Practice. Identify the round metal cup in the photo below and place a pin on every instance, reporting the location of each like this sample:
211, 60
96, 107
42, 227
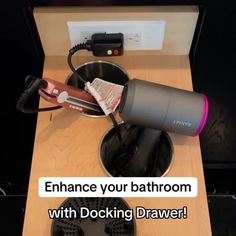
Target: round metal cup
165, 157
98, 69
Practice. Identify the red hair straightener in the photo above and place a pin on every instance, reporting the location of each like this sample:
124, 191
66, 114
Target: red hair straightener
59, 94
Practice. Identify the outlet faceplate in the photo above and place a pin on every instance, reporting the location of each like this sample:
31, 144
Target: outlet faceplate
138, 35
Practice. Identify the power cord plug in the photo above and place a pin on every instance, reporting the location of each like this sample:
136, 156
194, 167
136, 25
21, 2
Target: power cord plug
100, 44
103, 45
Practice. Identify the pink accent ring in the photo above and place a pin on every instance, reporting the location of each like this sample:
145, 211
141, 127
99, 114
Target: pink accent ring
204, 116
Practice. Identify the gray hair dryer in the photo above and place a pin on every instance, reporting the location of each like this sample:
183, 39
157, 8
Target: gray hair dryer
158, 108
162, 107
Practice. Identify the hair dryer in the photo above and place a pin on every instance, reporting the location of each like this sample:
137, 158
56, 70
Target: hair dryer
156, 108
162, 107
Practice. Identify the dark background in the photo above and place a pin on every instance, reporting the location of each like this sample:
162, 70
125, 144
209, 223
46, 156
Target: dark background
213, 64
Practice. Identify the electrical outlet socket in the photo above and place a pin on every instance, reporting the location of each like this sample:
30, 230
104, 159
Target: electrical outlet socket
138, 35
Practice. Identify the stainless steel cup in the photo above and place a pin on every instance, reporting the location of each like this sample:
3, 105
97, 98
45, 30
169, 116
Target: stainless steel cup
160, 162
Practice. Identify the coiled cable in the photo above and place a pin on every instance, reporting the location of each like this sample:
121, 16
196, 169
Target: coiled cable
31, 87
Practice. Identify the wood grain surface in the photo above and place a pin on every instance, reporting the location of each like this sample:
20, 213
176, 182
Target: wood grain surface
66, 144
